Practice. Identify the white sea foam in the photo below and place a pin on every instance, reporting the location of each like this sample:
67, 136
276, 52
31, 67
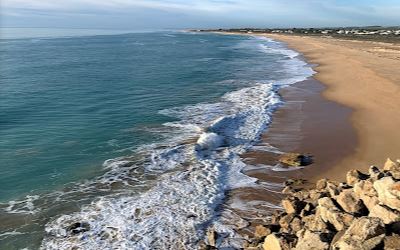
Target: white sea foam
173, 213
209, 141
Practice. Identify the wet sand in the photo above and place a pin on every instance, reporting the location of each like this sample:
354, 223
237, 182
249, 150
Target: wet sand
365, 77
306, 122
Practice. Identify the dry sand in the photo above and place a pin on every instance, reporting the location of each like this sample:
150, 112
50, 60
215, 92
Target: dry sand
364, 76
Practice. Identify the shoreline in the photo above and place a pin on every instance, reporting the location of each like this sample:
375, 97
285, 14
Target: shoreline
296, 127
360, 75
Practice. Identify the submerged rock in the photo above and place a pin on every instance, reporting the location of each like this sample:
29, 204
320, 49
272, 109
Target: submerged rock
78, 227
295, 159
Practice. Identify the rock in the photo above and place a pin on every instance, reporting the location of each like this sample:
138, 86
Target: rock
287, 190
284, 222
315, 195
293, 205
212, 237
375, 173
295, 159
333, 188
387, 215
392, 242
311, 241
337, 237
328, 212
314, 223
111, 233
78, 227
364, 233
262, 231
365, 191
289, 206
350, 203
321, 184
388, 192
393, 167
306, 210
296, 224
354, 176
275, 242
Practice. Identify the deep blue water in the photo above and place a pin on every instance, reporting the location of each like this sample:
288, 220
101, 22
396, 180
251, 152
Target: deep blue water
68, 104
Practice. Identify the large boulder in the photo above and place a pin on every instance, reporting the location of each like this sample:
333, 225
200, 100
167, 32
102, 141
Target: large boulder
365, 191
329, 212
295, 159
312, 241
387, 215
388, 192
350, 203
364, 234
354, 176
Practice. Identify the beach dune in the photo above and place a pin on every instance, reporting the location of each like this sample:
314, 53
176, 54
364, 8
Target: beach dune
364, 76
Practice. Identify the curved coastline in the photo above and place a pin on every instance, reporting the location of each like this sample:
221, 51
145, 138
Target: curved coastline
362, 76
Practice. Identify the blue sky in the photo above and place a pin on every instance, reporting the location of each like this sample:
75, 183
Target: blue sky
159, 14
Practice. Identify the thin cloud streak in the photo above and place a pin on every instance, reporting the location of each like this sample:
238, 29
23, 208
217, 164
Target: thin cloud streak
199, 13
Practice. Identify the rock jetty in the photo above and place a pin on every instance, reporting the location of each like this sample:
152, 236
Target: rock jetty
362, 213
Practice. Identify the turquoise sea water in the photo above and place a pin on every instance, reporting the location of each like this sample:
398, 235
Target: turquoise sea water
69, 104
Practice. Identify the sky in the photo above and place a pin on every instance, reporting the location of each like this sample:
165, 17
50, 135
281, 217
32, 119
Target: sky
179, 14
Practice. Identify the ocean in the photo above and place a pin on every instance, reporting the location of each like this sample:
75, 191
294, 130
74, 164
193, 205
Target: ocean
130, 140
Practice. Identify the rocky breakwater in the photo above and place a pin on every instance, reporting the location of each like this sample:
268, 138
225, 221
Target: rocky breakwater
362, 213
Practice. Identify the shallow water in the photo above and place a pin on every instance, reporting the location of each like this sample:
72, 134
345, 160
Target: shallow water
142, 100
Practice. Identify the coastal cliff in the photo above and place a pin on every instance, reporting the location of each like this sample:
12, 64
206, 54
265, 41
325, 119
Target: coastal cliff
362, 213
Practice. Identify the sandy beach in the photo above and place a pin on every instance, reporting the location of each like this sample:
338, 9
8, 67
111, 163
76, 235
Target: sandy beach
365, 77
